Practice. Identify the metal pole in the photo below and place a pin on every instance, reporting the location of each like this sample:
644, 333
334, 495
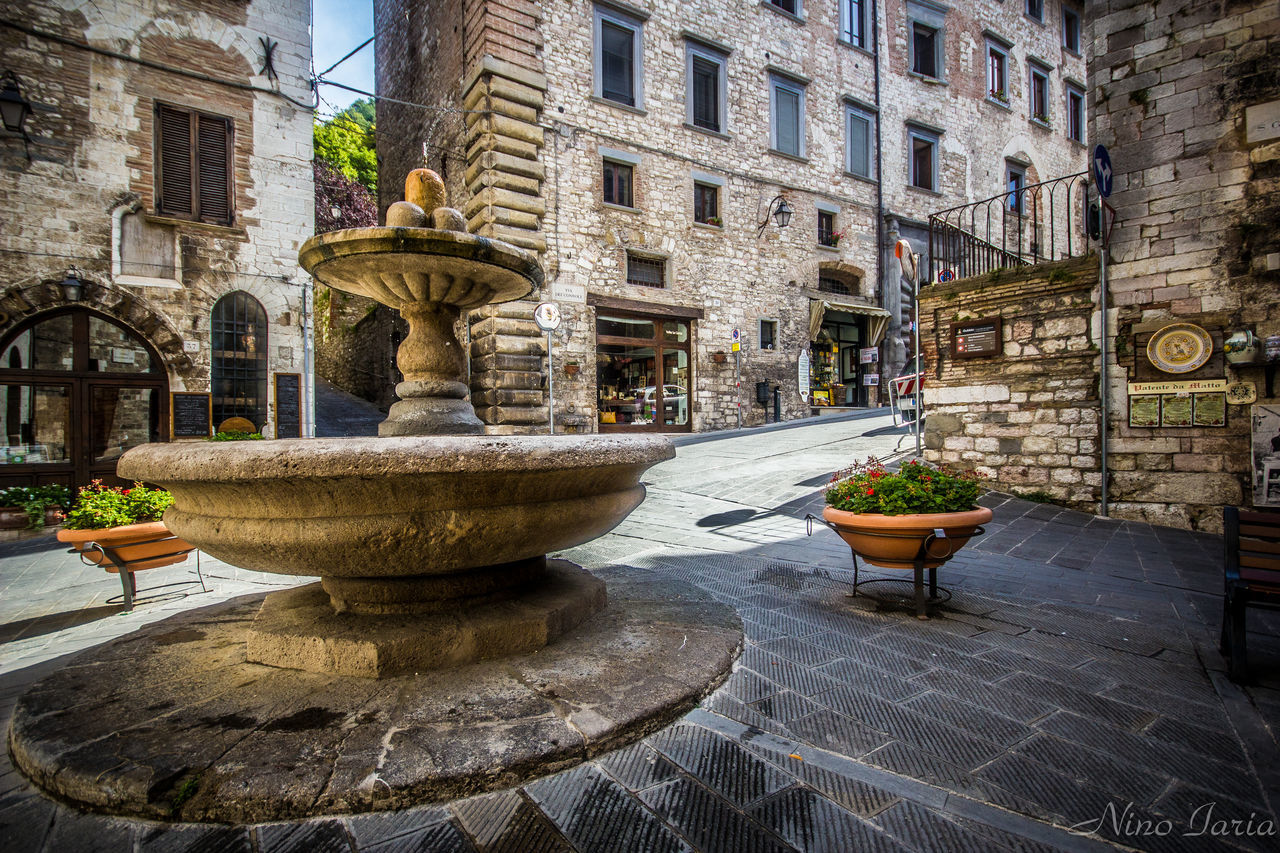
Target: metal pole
1104, 390
915, 328
551, 399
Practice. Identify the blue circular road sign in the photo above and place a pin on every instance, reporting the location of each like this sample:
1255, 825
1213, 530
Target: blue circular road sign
1102, 170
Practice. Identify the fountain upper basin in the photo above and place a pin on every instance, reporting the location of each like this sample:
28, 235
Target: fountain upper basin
391, 507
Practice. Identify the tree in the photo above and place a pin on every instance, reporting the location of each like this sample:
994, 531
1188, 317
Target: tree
346, 142
336, 192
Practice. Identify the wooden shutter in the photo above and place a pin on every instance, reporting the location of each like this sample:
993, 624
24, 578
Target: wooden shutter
213, 158
173, 162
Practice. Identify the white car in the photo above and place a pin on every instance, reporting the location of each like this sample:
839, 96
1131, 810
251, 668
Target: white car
672, 396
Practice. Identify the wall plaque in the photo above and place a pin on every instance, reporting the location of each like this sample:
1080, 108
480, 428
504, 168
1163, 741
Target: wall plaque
976, 338
190, 415
1206, 409
288, 405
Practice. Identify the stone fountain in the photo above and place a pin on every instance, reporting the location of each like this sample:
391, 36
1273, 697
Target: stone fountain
442, 652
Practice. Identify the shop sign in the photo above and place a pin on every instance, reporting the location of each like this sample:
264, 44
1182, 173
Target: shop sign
802, 375
1178, 386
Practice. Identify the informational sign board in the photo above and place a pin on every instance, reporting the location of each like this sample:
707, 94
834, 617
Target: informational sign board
564, 291
190, 415
868, 355
547, 316
288, 405
976, 338
871, 379
802, 375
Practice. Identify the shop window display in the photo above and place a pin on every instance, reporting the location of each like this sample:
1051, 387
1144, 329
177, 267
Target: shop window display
642, 369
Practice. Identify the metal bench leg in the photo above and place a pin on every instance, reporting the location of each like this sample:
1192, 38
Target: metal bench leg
933, 582
1237, 651
130, 588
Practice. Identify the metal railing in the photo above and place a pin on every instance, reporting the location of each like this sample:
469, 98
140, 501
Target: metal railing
1030, 225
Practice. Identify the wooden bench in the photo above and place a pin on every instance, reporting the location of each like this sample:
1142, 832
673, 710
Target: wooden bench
1252, 574
152, 548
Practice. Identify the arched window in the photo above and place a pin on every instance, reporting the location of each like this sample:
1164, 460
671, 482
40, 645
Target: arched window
239, 368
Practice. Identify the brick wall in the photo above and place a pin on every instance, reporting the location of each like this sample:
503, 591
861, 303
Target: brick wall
1197, 195
1026, 419
99, 155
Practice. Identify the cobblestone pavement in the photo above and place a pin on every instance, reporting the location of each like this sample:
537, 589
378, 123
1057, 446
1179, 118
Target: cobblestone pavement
1071, 680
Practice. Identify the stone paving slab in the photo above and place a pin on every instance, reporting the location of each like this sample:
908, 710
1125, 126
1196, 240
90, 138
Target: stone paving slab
1071, 680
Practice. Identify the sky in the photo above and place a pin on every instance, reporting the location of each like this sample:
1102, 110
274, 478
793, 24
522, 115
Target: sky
338, 27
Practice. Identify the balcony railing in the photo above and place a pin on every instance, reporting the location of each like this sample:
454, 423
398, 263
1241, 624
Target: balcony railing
1031, 225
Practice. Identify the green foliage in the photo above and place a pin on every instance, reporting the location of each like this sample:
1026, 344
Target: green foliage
236, 436
185, 790
1061, 276
1039, 496
346, 142
915, 487
34, 500
99, 506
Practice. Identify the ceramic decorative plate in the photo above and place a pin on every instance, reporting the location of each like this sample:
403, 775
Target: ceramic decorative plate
1242, 393
1180, 348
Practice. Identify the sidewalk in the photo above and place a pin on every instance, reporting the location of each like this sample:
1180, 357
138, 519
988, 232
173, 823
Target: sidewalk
1072, 679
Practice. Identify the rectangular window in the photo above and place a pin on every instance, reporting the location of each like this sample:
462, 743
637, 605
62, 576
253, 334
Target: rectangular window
924, 43
1075, 113
1015, 183
1039, 106
618, 179
617, 57
194, 165
786, 98
860, 141
827, 228
706, 78
1070, 29
706, 204
768, 334
791, 7
646, 272
924, 159
1035, 9
853, 22
997, 72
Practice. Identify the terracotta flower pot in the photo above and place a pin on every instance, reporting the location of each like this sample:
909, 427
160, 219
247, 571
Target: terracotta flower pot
893, 541
571, 369
134, 542
719, 357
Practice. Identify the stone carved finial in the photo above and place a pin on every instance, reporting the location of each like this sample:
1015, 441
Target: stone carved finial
424, 188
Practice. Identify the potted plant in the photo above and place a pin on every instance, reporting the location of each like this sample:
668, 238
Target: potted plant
719, 357
715, 220
886, 516
32, 507
127, 519
572, 368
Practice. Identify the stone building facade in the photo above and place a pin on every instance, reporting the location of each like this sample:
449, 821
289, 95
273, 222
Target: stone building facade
641, 148
149, 284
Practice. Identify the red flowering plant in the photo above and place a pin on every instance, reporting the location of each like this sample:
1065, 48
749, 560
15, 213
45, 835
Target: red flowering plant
98, 506
914, 488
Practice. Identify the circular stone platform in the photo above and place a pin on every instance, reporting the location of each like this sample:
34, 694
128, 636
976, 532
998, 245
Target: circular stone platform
173, 723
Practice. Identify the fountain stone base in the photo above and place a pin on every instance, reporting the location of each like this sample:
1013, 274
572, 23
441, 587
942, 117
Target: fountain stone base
298, 628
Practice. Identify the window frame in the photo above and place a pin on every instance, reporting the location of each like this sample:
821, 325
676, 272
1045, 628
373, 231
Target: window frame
854, 112
933, 17
776, 5
1015, 190
621, 20
659, 262
693, 51
847, 18
934, 139
194, 165
714, 189
1003, 49
1072, 89
1038, 13
780, 81
607, 162
771, 323
1072, 12
1038, 70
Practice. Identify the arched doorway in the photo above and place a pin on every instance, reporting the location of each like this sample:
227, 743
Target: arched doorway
238, 327
77, 389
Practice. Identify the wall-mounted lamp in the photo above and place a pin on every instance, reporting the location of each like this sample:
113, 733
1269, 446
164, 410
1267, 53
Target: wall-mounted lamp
72, 285
14, 109
780, 211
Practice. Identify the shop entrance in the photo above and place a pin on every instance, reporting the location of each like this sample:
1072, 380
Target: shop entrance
642, 373
837, 374
77, 390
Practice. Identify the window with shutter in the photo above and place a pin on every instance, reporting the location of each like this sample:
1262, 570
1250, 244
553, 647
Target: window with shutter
193, 165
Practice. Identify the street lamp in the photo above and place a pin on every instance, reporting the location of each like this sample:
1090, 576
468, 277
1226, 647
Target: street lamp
72, 285
780, 211
14, 109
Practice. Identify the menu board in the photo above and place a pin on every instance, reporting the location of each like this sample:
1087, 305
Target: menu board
1178, 410
191, 415
976, 338
288, 405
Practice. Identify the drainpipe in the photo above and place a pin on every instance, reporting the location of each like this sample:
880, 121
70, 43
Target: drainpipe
880, 247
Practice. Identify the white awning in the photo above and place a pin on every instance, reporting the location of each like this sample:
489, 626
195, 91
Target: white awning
877, 323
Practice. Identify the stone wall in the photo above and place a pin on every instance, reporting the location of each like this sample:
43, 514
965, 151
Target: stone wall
1027, 419
1197, 197
93, 161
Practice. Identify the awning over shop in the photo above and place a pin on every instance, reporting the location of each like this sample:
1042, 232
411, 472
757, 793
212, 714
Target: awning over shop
877, 322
